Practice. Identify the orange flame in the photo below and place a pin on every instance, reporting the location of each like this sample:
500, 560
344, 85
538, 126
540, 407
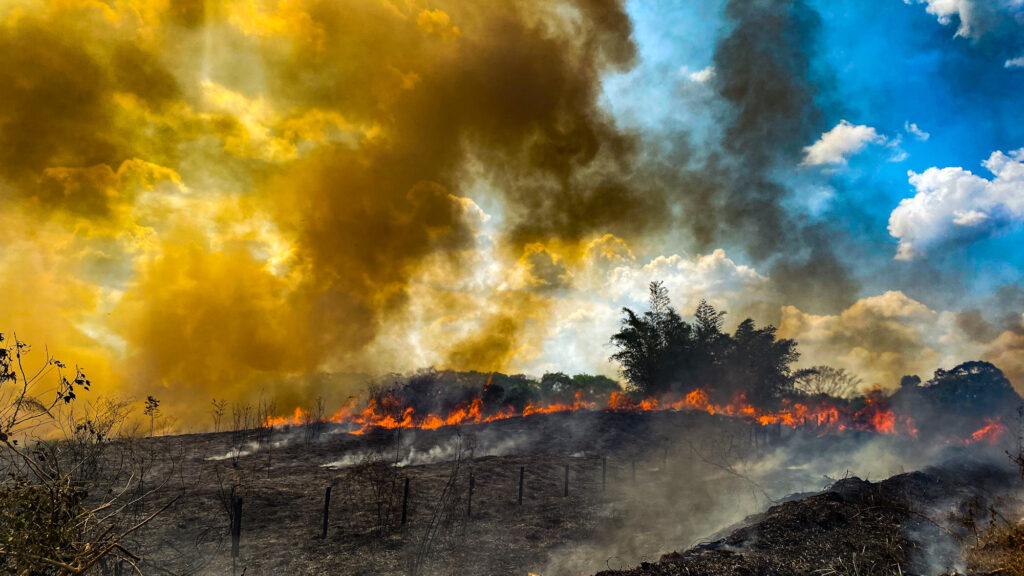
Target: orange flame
990, 432
390, 411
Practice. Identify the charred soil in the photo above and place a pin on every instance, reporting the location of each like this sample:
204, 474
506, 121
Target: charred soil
638, 485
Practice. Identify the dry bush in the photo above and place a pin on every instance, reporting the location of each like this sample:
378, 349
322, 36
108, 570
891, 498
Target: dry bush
89, 432
440, 540
827, 381
314, 421
65, 504
380, 473
217, 410
1000, 549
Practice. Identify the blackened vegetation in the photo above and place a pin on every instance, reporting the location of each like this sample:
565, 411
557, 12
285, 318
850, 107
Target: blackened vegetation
439, 392
661, 353
77, 504
855, 527
953, 401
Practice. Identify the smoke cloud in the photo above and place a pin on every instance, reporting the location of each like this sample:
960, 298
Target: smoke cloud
239, 198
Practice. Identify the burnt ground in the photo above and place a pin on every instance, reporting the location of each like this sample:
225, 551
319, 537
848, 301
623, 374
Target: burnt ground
695, 475
916, 523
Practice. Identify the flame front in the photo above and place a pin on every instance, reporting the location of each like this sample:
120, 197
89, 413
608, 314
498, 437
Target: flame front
391, 411
989, 433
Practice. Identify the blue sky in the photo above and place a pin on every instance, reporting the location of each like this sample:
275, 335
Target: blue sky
882, 64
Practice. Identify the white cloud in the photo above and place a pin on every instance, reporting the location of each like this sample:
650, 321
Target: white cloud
953, 206
702, 76
945, 10
974, 16
839, 143
1017, 62
916, 132
881, 338
610, 278
714, 276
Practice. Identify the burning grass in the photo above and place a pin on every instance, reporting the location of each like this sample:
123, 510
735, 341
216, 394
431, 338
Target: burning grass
874, 412
640, 483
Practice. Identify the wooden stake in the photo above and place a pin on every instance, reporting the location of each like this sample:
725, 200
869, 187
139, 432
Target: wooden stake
522, 474
327, 512
405, 501
236, 528
566, 492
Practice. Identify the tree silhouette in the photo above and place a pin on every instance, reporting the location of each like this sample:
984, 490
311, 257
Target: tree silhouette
152, 409
659, 352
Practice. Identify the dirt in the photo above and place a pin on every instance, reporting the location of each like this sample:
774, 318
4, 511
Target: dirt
695, 475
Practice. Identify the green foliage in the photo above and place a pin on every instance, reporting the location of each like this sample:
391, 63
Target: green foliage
595, 386
659, 352
39, 525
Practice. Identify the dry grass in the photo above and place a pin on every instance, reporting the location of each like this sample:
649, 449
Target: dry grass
1000, 550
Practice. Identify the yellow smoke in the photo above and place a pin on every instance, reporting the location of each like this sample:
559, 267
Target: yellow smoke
233, 198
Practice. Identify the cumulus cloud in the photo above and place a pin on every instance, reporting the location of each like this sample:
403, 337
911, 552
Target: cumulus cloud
953, 206
700, 76
715, 276
974, 17
912, 129
609, 278
881, 338
838, 144
946, 10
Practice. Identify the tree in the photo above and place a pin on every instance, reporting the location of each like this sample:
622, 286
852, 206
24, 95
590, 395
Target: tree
152, 410
556, 386
217, 410
644, 342
828, 381
910, 381
595, 386
659, 352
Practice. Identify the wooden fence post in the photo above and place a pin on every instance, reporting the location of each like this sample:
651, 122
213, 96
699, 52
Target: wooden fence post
566, 492
405, 501
236, 527
634, 471
327, 512
522, 474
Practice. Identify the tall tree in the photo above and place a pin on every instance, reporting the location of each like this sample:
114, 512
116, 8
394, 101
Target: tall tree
659, 352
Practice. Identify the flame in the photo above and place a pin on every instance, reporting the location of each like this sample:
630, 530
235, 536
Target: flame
391, 411
990, 432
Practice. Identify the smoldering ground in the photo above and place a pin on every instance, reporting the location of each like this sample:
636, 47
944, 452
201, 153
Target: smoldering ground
640, 485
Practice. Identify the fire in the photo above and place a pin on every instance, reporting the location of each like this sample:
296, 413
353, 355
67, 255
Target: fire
391, 411
620, 402
578, 404
990, 432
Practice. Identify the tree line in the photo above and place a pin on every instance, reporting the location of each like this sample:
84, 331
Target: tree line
660, 353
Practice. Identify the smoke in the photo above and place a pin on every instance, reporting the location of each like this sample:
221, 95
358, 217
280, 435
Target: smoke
227, 199
771, 87
706, 482
258, 192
